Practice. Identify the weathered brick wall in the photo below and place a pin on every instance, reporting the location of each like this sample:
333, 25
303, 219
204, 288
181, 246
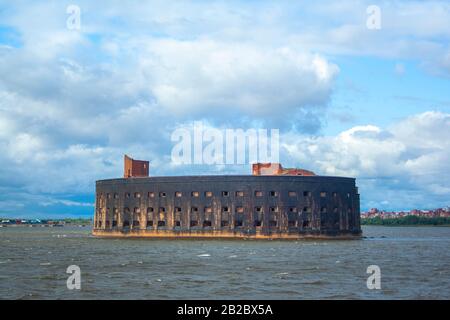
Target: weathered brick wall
135, 168
246, 205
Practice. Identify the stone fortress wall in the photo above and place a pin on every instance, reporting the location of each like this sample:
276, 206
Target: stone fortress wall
290, 206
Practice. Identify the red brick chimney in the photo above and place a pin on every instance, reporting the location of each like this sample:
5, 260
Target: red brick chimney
135, 168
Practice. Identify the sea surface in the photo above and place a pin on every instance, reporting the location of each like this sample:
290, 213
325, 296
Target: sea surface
414, 264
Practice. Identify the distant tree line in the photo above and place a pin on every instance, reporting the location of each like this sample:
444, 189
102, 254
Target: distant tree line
78, 221
407, 220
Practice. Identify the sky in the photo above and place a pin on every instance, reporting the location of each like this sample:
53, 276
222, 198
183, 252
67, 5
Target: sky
348, 99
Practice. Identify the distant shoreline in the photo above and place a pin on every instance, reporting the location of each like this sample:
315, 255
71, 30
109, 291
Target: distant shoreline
43, 225
408, 221
406, 225
10, 222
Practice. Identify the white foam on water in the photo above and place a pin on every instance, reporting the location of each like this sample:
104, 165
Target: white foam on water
204, 255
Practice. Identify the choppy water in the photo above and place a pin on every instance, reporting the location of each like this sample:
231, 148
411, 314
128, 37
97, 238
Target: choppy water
414, 262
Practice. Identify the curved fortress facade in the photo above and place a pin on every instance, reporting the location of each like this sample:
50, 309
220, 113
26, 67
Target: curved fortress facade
272, 203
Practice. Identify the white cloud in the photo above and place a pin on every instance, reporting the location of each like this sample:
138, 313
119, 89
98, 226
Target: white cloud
69, 203
72, 102
203, 77
411, 157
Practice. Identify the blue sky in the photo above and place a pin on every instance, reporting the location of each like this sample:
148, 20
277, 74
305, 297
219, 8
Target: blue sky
348, 100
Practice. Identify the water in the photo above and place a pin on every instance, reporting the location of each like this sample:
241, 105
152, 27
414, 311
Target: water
414, 264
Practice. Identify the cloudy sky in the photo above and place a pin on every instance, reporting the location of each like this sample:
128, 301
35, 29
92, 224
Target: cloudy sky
348, 100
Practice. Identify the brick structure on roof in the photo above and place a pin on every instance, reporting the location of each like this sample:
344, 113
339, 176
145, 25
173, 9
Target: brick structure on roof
276, 169
135, 168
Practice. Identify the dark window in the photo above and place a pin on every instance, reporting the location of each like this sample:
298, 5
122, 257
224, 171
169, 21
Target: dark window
194, 223
114, 223
194, 209
149, 209
177, 209
225, 209
257, 223
292, 223
126, 223
293, 209
307, 209
149, 223
272, 223
273, 209
127, 195
162, 194
224, 223
206, 223
177, 223
258, 209
273, 193
161, 223
238, 223
225, 193
162, 209
307, 193
323, 210
306, 224
135, 223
